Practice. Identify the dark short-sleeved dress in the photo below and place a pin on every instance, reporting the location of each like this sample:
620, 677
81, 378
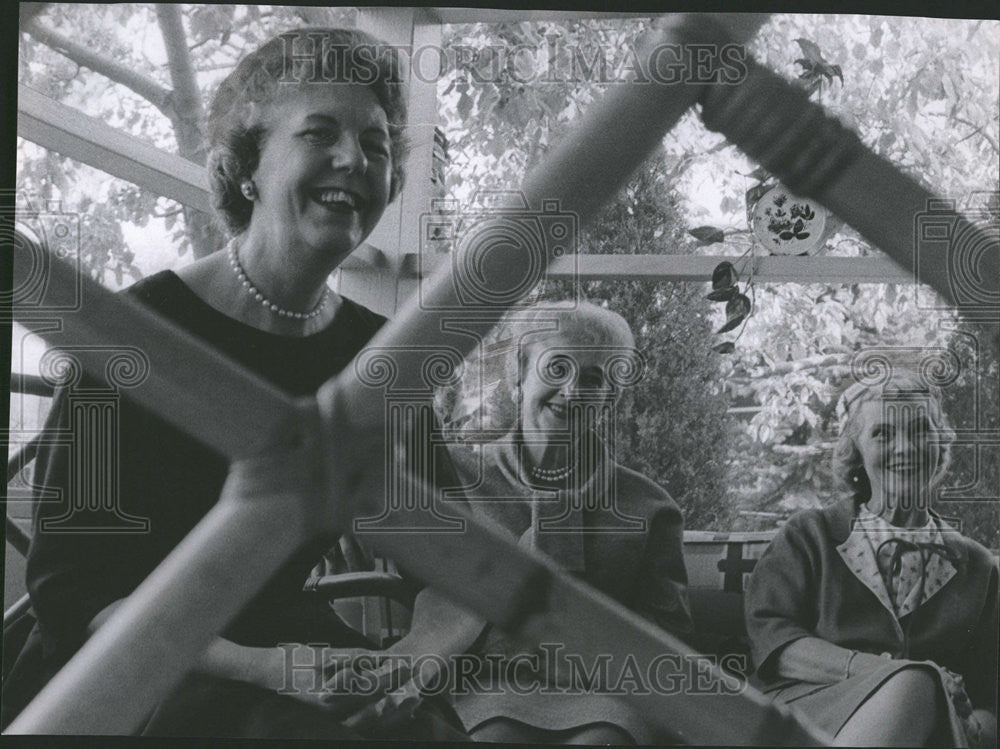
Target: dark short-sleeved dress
172, 480
804, 586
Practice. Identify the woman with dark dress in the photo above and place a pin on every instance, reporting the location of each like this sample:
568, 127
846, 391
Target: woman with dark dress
875, 617
306, 153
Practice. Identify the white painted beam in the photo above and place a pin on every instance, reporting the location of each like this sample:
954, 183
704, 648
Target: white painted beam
771, 269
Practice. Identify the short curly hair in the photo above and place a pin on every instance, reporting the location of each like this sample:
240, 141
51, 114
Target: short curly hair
480, 402
847, 464
236, 116
580, 322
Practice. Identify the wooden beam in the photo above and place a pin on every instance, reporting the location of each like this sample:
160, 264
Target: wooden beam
151, 640
417, 200
775, 122
508, 15
169, 369
535, 601
72, 133
135, 658
565, 182
147, 645
375, 284
771, 269
154, 636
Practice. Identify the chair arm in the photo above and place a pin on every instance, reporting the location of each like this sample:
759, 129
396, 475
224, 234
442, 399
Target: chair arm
20, 606
358, 584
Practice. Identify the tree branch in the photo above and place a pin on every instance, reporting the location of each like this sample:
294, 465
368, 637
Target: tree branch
979, 129
976, 129
28, 11
820, 361
143, 85
186, 96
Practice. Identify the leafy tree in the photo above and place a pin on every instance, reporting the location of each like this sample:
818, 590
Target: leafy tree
921, 92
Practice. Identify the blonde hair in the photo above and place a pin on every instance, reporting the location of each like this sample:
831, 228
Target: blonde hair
847, 464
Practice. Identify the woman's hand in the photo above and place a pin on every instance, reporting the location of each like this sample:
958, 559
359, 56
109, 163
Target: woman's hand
862, 663
987, 728
439, 630
821, 662
361, 681
299, 671
954, 686
980, 725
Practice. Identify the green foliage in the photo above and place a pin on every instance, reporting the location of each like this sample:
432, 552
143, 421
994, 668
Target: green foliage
814, 68
672, 426
973, 405
921, 92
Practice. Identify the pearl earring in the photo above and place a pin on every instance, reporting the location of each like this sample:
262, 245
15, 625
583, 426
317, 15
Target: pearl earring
249, 190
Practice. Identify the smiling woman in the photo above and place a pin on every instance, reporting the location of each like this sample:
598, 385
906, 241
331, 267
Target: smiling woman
307, 146
306, 154
877, 618
553, 485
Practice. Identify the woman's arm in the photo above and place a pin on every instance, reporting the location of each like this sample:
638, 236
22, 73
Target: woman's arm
662, 596
267, 668
222, 658
439, 627
822, 662
780, 599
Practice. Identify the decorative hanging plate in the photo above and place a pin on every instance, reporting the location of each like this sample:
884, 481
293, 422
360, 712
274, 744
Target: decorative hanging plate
786, 224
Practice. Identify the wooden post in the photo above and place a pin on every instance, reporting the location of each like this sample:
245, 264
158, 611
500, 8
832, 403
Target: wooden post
377, 285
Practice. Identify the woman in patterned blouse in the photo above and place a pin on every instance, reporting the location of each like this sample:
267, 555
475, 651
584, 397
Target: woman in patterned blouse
875, 617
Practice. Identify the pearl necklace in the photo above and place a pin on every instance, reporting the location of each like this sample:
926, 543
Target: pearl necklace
234, 262
550, 474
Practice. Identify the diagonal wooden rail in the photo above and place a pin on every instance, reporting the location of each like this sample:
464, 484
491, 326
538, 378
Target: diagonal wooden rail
312, 469
817, 157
